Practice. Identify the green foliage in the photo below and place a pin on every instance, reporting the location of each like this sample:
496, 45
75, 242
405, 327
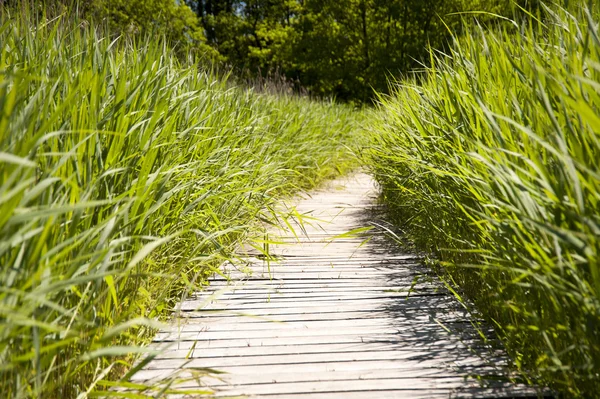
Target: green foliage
344, 49
349, 48
177, 22
492, 163
126, 176
254, 36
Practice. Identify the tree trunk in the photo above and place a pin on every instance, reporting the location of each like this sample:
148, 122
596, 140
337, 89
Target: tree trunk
365, 34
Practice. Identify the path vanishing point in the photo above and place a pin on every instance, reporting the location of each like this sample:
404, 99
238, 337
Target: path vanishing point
331, 318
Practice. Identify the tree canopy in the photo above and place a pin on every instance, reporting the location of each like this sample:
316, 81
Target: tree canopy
345, 49
334, 48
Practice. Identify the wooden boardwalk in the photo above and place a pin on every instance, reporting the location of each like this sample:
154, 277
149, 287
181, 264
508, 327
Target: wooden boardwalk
331, 318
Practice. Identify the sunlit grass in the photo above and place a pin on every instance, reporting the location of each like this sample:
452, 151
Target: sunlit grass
126, 175
493, 163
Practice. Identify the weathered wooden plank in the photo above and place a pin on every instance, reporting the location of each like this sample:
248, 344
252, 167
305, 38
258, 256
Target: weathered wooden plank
302, 249
331, 271
319, 275
351, 303
439, 315
285, 383
324, 237
342, 304
312, 232
334, 247
324, 272
347, 258
295, 283
343, 387
392, 340
443, 315
207, 334
176, 351
399, 269
224, 325
229, 298
214, 335
358, 292
300, 284
410, 394
261, 309
331, 274
418, 394
391, 394
246, 298
304, 287
398, 266
402, 267
465, 365
400, 312
248, 379
414, 357
192, 326
312, 288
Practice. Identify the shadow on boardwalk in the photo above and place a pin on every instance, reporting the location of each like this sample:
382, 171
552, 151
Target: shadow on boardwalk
431, 321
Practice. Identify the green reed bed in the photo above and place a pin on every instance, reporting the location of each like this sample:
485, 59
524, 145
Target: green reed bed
125, 176
493, 164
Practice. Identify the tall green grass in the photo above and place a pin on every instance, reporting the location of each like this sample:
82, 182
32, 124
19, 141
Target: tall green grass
493, 163
126, 175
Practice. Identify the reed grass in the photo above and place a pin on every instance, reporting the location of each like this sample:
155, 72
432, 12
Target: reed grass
493, 165
127, 175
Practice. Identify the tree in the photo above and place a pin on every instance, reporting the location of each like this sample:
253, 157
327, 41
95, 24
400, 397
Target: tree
334, 48
176, 21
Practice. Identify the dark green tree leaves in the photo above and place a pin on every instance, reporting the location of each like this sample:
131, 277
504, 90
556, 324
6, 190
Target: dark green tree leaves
174, 20
335, 48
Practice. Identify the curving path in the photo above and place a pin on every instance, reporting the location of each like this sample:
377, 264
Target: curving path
333, 316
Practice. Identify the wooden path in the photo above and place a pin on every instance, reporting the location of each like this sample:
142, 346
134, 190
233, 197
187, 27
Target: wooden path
332, 318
